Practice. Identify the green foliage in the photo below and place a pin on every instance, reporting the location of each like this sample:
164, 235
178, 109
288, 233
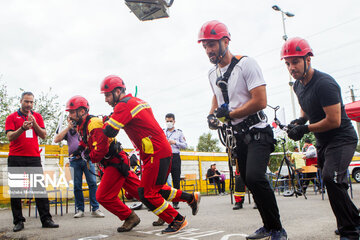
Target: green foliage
207, 144
49, 109
190, 148
358, 148
6, 107
275, 160
310, 136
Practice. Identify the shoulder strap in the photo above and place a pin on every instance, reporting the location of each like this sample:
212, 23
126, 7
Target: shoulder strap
84, 135
125, 99
222, 82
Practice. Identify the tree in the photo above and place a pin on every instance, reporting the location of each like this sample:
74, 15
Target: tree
289, 147
190, 148
6, 107
207, 144
49, 109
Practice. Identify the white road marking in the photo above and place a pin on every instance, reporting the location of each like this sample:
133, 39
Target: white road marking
226, 237
186, 234
100, 236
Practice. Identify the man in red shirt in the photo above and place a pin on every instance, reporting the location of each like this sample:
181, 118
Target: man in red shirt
310, 153
97, 147
22, 129
310, 157
136, 118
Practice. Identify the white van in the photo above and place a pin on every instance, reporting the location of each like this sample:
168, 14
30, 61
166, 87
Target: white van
354, 167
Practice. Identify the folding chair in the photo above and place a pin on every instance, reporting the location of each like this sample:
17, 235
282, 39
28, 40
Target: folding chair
210, 187
316, 178
189, 181
57, 200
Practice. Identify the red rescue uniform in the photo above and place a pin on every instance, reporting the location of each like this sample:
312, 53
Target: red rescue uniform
136, 118
240, 188
112, 180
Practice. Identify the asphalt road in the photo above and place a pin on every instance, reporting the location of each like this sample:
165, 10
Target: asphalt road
302, 219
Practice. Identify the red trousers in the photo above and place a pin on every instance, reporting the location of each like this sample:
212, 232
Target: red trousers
240, 188
109, 188
154, 193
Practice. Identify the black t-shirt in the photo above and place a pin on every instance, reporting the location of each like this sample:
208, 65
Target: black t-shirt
211, 173
322, 91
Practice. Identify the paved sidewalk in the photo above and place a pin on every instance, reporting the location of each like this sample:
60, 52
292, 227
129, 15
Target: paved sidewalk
302, 219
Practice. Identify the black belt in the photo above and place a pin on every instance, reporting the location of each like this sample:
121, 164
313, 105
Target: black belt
251, 120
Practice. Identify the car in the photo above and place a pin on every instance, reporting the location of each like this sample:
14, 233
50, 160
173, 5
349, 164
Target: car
354, 167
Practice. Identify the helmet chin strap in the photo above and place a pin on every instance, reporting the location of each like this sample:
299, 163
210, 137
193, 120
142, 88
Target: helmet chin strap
306, 69
80, 117
221, 53
115, 99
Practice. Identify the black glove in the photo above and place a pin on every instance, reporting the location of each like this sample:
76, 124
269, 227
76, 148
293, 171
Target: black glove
223, 114
299, 121
77, 152
296, 132
213, 122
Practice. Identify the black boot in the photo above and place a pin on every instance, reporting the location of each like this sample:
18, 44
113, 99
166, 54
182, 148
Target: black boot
18, 227
238, 206
49, 223
176, 205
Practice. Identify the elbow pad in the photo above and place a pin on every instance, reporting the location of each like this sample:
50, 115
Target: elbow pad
110, 132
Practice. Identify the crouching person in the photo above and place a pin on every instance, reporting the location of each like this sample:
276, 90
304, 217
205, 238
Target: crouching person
97, 147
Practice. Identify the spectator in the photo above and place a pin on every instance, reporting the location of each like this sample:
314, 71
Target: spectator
214, 176
296, 158
310, 154
177, 142
80, 167
22, 129
310, 158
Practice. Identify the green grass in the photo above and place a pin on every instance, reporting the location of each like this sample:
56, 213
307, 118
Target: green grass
4, 205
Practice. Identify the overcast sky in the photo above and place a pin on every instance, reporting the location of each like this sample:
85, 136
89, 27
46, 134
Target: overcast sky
71, 45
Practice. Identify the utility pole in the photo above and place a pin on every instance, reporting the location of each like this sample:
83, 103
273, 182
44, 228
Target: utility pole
353, 100
285, 37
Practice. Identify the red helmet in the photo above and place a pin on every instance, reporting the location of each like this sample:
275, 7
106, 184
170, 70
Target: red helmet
213, 30
296, 47
110, 83
76, 102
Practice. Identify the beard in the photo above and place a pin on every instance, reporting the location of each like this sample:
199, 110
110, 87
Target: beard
214, 59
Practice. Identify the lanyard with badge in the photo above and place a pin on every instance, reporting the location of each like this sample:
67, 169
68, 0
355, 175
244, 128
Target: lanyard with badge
28, 133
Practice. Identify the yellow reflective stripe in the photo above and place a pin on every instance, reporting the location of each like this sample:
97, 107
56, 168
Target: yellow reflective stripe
138, 108
115, 124
172, 194
162, 208
239, 194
